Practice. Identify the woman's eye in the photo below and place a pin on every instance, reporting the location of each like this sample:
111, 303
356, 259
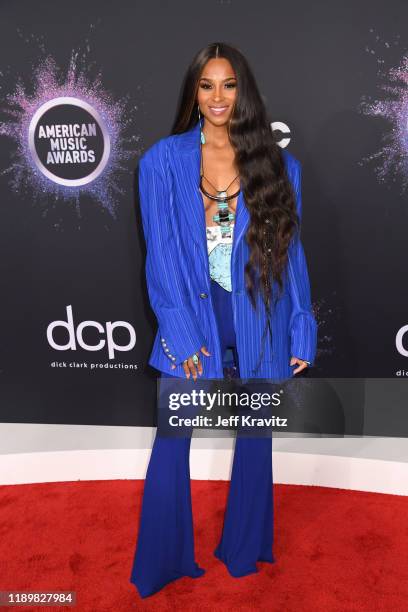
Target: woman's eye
227, 85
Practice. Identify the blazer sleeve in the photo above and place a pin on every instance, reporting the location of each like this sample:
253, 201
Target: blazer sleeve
302, 324
178, 325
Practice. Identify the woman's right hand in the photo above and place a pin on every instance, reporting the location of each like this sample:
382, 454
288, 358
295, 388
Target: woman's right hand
190, 368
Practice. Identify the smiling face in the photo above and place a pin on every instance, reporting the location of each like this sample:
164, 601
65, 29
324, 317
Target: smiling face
217, 91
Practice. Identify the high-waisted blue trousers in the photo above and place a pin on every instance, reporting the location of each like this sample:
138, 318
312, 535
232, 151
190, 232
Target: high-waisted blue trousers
165, 546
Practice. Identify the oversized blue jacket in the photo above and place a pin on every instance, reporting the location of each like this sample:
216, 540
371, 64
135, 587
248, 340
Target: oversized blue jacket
178, 279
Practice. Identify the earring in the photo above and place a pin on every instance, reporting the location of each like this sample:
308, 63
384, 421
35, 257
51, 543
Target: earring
229, 122
201, 130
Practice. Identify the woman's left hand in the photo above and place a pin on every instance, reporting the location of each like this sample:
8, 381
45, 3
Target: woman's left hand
302, 364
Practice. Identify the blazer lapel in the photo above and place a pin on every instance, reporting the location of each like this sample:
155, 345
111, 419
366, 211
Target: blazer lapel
193, 205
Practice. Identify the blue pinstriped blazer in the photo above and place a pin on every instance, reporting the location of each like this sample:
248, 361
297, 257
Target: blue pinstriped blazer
178, 279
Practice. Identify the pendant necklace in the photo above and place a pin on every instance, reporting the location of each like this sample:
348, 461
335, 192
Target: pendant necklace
223, 216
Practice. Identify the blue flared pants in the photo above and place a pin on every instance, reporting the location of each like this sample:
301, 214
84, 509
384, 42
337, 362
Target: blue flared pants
165, 545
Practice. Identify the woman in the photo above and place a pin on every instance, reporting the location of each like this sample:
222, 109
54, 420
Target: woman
221, 207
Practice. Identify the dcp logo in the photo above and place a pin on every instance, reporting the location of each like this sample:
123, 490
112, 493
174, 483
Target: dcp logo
399, 338
76, 335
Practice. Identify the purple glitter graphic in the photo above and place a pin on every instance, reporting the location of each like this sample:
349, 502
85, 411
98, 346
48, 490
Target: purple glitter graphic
325, 315
392, 158
20, 107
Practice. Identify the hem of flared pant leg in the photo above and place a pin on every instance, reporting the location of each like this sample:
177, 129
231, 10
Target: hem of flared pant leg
234, 575
255, 570
156, 590
164, 584
249, 572
273, 560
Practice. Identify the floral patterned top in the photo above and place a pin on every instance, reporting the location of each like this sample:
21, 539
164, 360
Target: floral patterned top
219, 255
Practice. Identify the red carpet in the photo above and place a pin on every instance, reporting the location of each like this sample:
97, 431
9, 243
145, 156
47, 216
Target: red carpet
336, 550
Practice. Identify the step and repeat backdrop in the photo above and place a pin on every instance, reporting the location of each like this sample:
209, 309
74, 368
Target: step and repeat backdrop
86, 87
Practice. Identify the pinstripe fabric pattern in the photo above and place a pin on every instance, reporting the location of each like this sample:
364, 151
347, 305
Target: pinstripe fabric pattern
178, 280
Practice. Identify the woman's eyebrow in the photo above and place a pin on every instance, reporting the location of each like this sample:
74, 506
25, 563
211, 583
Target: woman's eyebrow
208, 78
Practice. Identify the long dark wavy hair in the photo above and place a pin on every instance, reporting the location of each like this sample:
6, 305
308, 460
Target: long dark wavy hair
266, 187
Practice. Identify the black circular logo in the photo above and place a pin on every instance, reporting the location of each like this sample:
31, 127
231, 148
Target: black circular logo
69, 141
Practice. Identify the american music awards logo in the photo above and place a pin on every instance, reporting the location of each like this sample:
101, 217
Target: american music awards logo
69, 141
71, 135
391, 159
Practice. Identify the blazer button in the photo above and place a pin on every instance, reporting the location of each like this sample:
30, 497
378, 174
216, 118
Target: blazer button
203, 295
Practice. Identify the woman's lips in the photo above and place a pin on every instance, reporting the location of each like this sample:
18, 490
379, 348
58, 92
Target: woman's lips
218, 110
